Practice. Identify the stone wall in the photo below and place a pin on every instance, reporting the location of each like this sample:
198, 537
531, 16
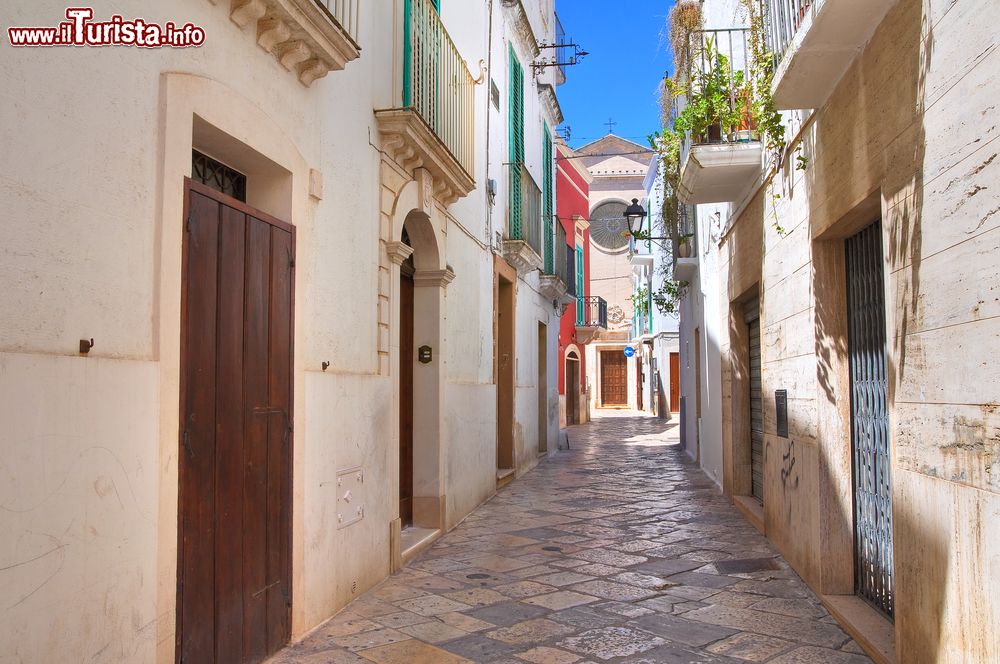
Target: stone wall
908, 136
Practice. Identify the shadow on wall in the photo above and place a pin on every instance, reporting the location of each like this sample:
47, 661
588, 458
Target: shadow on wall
884, 146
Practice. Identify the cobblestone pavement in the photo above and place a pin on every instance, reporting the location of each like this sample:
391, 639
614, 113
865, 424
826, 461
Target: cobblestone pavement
617, 550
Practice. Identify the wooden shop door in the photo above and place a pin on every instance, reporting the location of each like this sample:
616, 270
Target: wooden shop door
235, 481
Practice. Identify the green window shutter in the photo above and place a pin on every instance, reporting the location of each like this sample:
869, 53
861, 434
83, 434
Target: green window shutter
547, 207
437, 5
407, 54
580, 294
516, 143
649, 309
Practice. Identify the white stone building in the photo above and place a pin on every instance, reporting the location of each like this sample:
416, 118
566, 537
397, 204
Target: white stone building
840, 324
290, 257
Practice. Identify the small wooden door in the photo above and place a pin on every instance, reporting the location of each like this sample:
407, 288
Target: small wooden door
675, 382
572, 387
543, 389
406, 358
614, 378
234, 525
639, 375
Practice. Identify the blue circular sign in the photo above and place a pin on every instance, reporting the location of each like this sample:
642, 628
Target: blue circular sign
629, 351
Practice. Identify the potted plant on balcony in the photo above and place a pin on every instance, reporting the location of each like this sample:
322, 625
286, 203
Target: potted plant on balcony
640, 301
684, 249
668, 296
744, 125
713, 112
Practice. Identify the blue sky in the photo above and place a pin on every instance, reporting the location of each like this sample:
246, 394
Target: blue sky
619, 79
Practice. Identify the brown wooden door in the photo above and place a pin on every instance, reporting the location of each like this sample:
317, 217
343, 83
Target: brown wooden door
675, 382
406, 399
234, 526
572, 387
640, 403
614, 378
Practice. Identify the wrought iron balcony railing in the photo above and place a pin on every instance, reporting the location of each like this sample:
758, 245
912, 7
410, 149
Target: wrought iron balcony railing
345, 14
592, 312
718, 80
436, 81
784, 18
563, 53
721, 153
524, 221
563, 263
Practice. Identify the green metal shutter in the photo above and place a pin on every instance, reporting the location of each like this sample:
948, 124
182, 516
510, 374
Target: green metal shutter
437, 5
516, 143
580, 294
547, 207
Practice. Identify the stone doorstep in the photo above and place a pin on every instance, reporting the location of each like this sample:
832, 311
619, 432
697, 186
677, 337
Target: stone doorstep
870, 629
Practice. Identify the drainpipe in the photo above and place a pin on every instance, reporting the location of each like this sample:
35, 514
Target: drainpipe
489, 113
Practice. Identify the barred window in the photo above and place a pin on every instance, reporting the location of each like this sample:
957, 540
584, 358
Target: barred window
218, 176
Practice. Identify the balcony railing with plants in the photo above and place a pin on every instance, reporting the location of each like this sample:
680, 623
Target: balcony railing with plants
642, 305
592, 312
717, 92
436, 81
525, 213
345, 14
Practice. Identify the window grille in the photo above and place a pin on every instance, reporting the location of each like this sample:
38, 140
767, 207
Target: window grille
218, 176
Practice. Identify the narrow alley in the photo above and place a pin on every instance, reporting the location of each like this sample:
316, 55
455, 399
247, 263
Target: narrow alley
618, 549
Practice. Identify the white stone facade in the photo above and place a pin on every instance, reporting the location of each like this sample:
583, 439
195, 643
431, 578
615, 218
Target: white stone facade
91, 247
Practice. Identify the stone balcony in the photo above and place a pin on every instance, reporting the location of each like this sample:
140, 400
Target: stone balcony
815, 41
305, 36
719, 172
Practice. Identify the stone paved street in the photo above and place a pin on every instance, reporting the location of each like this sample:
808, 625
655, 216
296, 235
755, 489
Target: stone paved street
617, 550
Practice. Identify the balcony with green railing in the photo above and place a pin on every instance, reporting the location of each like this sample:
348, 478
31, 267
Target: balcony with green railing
523, 246
558, 281
433, 128
436, 82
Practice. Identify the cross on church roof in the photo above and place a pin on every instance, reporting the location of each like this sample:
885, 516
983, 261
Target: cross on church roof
611, 125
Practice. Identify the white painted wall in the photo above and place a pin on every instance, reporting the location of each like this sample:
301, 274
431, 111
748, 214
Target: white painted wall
90, 247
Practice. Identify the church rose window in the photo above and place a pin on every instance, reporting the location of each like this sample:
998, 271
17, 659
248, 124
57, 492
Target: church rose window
608, 228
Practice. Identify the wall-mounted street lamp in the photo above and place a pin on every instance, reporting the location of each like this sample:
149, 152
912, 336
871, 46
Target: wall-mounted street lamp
635, 214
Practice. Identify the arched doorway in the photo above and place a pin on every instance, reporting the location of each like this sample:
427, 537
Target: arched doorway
420, 287
406, 361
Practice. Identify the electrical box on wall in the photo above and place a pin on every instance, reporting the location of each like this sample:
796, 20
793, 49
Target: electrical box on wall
781, 412
350, 496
